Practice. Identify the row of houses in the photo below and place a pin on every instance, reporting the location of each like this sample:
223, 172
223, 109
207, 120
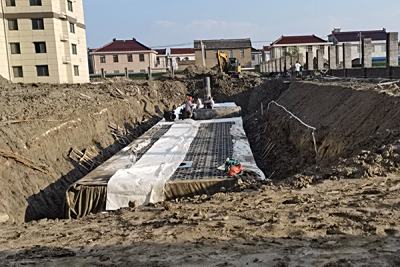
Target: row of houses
298, 46
131, 56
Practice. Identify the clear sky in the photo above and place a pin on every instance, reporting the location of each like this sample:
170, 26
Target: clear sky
159, 23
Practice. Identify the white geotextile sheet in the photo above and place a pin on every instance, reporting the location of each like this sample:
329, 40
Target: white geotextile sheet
242, 150
144, 181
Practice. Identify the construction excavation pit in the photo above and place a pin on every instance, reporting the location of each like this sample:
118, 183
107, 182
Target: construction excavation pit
279, 173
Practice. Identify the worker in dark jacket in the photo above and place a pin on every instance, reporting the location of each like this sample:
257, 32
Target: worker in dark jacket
169, 115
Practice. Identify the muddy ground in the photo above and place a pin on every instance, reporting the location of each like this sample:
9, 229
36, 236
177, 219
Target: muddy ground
337, 205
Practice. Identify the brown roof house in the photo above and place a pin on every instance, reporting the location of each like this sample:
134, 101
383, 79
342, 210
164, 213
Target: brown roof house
161, 60
296, 47
238, 48
266, 53
121, 56
182, 57
256, 57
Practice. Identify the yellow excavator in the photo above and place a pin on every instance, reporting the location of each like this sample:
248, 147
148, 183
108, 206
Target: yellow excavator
230, 66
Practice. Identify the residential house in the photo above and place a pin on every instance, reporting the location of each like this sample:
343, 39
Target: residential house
161, 60
43, 41
237, 48
121, 56
182, 57
266, 53
298, 46
378, 37
256, 57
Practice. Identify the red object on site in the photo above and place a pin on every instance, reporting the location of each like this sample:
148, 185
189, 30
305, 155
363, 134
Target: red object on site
235, 170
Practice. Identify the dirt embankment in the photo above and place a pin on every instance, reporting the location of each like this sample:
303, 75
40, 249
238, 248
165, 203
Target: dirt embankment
50, 136
357, 133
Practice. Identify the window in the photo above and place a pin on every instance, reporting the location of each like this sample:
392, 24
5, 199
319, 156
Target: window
18, 73
15, 48
230, 53
103, 59
13, 25
253, 57
186, 58
72, 27
40, 47
115, 58
130, 58
158, 61
116, 71
42, 70
76, 70
37, 24
70, 6
242, 53
141, 57
74, 49
10, 2
35, 2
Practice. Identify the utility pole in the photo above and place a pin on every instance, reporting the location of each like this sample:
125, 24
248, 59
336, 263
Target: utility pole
203, 53
360, 48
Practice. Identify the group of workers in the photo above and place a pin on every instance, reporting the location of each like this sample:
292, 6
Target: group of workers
295, 70
189, 106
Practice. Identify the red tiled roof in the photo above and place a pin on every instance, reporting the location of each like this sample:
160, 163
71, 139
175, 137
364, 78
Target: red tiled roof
123, 46
177, 51
301, 39
161, 51
354, 36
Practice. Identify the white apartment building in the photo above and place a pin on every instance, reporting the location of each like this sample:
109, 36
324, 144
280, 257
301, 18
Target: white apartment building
43, 41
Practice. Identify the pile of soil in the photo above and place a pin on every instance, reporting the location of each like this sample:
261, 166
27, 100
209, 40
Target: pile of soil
52, 135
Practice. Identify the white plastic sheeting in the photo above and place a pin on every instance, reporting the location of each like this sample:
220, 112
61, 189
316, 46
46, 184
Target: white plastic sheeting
241, 148
144, 181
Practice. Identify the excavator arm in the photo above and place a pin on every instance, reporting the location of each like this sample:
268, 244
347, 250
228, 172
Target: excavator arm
222, 61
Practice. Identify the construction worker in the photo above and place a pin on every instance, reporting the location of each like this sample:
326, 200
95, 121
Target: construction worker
209, 103
187, 111
169, 115
298, 68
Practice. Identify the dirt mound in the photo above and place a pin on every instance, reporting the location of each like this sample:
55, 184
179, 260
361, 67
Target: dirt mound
356, 134
195, 71
53, 135
225, 88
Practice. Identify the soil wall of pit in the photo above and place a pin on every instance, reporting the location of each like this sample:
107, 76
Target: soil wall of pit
51, 136
347, 121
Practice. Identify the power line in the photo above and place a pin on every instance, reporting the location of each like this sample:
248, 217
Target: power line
191, 43
171, 45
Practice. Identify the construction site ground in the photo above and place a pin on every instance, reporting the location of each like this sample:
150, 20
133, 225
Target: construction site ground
333, 204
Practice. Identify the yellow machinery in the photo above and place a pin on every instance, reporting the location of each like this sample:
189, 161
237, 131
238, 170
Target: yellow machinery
228, 65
